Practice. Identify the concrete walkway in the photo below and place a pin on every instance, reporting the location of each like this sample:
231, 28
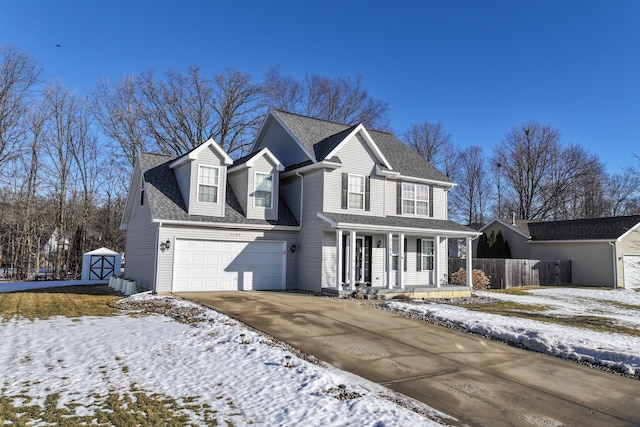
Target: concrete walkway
480, 382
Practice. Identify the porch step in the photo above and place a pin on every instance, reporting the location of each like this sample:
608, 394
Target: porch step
407, 293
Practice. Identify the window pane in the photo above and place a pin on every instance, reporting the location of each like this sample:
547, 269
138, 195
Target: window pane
263, 199
422, 208
408, 206
356, 201
208, 175
208, 184
356, 184
408, 191
263, 182
207, 193
422, 193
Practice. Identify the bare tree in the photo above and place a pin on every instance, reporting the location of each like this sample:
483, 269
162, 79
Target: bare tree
342, 100
623, 193
471, 196
117, 108
527, 156
431, 142
18, 77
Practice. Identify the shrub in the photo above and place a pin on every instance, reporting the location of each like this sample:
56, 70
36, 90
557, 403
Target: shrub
479, 279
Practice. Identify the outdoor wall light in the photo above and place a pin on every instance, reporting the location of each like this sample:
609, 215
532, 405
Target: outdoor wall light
294, 248
165, 245
379, 243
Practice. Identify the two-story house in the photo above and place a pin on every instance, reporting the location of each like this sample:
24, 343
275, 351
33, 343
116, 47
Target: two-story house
316, 206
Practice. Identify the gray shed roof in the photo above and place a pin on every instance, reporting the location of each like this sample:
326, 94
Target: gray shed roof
166, 202
401, 222
320, 137
609, 228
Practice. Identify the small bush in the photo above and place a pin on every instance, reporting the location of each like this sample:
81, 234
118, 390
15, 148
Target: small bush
479, 279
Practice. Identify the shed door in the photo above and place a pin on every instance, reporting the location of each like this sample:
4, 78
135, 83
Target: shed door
101, 267
211, 265
631, 271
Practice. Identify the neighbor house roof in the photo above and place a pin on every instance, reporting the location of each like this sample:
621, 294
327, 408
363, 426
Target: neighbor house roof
166, 202
609, 228
321, 137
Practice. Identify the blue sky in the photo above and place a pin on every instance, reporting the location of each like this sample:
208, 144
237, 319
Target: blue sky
479, 67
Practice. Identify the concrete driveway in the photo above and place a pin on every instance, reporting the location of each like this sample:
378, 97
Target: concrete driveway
480, 382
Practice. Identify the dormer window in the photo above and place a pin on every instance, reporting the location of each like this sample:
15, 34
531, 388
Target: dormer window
415, 199
263, 193
208, 183
356, 192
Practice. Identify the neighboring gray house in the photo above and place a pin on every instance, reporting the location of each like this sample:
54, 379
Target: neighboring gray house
602, 251
316, 206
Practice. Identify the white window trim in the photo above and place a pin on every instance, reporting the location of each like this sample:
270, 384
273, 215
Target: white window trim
349, 192
207, 185
415, 199
255, 182
424, 256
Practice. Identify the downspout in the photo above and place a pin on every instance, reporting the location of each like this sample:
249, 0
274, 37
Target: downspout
300, 216
615, 265
155, 279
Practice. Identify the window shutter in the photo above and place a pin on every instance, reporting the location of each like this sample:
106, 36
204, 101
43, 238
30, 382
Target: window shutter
399, 199
431, 201
405, 254
419, 255
345, 190
344, 258
367, 194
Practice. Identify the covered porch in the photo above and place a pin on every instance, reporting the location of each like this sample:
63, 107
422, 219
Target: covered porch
387, 262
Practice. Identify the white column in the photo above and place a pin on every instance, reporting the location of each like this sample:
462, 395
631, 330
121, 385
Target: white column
469, 263
436, 260
401, 260
338, 259
389, 242
352, 260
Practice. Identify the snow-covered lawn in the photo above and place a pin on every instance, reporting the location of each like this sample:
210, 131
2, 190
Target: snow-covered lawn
205, 371
618, 351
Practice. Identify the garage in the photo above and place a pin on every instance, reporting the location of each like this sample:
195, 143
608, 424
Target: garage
631, 271
212, 265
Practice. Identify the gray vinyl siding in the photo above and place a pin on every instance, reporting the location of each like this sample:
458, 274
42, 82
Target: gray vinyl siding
591, 262
311, 240
282, 145
165, 271
518, 244
290, 192
257, 212
239, 182
439, 203
358, 159
183, 176
140, 246
207, 158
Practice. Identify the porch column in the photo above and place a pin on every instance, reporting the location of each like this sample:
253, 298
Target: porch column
388, 248
338, 259
469, 263
352, 260
436, 260
401, 260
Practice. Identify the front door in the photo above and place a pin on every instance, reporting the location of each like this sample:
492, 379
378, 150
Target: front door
362, 259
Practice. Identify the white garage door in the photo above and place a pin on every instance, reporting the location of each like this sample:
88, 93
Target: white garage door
631, 271
204, 265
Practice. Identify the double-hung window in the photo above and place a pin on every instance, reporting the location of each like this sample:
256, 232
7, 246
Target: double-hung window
426, 255
356, 192
208, 183
263, 189
415, 199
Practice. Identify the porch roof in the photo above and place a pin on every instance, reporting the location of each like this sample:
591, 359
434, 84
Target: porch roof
397, 224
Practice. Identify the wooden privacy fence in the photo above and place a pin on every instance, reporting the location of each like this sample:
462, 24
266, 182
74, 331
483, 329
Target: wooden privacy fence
515, 273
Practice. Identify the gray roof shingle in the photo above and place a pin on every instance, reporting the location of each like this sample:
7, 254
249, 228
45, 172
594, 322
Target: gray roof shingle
167, 204
609, 228
401, 222
320, 137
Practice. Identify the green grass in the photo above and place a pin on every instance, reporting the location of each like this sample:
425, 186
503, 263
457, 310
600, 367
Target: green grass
69, 301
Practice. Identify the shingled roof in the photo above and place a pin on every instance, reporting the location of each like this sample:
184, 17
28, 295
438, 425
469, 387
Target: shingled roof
320, 137
609, 228
166, 202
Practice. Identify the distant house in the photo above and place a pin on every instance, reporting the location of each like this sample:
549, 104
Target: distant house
316, 205
602, 251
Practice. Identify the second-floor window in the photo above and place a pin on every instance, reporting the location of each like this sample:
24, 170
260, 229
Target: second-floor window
263, 189
356, 192
415, 199
208, 183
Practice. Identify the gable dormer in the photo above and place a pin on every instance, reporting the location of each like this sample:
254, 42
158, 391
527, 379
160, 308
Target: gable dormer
255, 182
202, 178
